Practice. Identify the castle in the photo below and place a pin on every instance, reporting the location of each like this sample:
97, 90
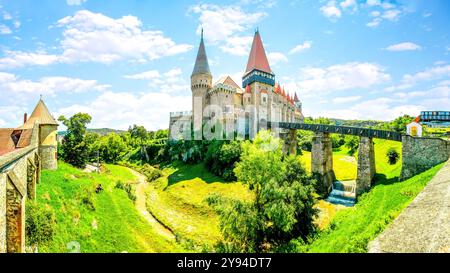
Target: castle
260, 100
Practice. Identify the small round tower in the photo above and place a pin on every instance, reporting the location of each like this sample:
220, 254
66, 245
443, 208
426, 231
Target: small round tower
201, 80
48, 128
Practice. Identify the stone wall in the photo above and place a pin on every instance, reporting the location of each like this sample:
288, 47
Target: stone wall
322, 161
49, 157
18, 177
366, 165
420, 154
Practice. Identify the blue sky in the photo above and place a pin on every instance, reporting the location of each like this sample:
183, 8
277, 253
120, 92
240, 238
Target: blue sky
129, 62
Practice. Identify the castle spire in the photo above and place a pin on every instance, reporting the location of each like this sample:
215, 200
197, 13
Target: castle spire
201, 63
296, 98
258, 58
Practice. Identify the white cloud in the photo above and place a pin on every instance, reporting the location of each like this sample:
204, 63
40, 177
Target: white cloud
391, 15
375, 109
6, 16
277, 57
75, 2
349, 4
406, 46
16, 23
330, 10
150, 109
238, 45
346, 99
301, 47
147, 75
95, 37
16, 59
433, 73
168, 82
340, 77
374, 23
224, 25
5, 30
15, 86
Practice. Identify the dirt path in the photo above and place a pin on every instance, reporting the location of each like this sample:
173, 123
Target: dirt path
142, 208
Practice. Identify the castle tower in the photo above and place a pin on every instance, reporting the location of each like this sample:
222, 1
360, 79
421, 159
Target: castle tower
48, 145
201, 82
259, 80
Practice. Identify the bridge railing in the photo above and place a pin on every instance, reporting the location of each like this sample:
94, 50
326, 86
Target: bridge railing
345, 130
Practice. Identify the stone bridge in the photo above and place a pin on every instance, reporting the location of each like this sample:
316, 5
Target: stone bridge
418, 154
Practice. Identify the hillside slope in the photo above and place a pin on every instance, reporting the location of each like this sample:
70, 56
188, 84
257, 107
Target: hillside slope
100, 222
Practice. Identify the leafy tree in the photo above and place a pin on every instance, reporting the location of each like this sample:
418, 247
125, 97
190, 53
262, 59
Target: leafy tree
73, 145
111, 148
352, 143
283, 204
221, 157
399, 124
392, 156
139, 134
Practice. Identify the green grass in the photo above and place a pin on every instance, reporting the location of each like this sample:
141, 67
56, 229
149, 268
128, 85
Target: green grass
352, 229
178, 201
114, 226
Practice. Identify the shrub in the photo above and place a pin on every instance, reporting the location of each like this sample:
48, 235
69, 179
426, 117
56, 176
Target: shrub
87, 199
128, 188
40, 223
392, 156
221, 158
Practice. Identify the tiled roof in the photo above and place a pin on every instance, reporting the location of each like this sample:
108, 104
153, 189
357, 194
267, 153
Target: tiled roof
201, 63
40, 114
228, 81
258, 59
6, 142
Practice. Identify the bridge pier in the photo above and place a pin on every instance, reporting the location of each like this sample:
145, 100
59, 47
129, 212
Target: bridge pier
366, 165
292, 142
322, 161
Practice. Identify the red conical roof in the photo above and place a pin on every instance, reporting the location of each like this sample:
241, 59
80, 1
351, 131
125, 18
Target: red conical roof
258, 59
277, 88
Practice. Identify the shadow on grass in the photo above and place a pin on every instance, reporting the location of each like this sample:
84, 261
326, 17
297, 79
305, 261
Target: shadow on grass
189, 172
381, 179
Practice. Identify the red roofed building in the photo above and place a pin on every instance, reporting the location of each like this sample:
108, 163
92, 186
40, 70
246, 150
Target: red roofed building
268, 100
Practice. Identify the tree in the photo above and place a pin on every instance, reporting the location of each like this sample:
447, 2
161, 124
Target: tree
139, 134
73, 145
392, 156
283, 204
399, 124
352, 143
111, 148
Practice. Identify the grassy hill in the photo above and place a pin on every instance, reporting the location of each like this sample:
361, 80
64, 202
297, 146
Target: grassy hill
178, 200
109, 222
99, 222
100, 131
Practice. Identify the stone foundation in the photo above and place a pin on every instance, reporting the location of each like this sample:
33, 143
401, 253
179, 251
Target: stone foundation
366, 165
421, 154
322, 161
48, 155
